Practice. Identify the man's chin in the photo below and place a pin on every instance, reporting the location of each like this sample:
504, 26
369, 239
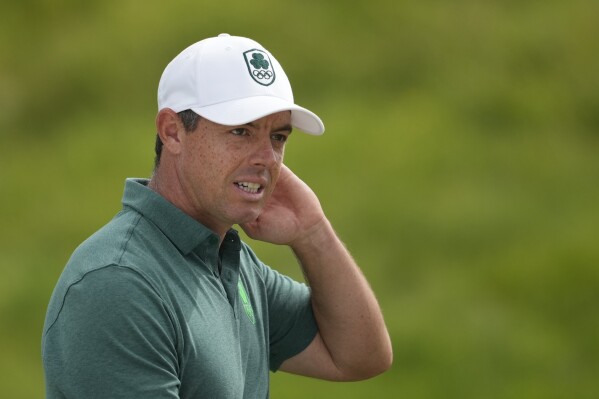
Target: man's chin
248, 217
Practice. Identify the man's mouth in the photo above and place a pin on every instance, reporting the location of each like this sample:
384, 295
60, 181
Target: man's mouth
252, 188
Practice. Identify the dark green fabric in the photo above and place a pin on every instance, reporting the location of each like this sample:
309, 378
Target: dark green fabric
142, 311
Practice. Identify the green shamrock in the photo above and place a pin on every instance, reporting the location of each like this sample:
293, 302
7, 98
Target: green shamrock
258, 61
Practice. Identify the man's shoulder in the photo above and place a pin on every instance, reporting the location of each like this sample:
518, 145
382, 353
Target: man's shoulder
131, 241
127, 240
106, 245
100, 257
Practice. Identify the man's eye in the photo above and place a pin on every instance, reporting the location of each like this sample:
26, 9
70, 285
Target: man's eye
240, 131
279, 137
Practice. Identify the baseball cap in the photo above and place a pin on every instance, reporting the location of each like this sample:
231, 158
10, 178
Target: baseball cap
231, 80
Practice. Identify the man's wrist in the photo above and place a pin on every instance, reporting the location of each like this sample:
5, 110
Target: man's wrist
316, 239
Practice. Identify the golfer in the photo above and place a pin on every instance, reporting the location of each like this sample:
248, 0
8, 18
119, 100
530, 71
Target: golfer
166, 301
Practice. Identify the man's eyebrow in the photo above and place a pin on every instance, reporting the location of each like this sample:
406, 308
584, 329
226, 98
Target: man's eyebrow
284, 128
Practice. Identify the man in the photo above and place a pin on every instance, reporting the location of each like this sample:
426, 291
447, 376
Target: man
165, 301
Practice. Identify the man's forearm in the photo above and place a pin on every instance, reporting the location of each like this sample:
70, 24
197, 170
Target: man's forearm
348, 315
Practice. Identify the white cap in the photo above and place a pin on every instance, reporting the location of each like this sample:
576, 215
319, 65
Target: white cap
231, 80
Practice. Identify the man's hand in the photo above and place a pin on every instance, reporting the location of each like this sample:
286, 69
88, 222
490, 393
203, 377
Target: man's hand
352, 342
291, 213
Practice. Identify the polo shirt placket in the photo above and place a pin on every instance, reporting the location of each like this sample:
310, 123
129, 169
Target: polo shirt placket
229, 267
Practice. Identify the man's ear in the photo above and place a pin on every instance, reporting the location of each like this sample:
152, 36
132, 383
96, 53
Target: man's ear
168, 127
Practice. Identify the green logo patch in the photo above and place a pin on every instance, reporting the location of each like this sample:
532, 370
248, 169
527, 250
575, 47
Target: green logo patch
259, 66
245, 300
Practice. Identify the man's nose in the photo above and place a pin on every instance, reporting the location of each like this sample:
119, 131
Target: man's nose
264, 153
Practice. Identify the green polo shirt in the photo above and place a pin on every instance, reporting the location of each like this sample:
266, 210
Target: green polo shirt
151, 307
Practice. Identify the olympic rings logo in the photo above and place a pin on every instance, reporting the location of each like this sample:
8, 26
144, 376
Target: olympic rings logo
259, 74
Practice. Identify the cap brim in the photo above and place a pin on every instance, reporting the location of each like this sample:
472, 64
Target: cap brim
246, 110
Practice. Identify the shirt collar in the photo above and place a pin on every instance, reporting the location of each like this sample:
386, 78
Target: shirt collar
183, 231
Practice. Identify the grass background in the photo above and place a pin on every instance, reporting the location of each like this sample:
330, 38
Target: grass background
460, 165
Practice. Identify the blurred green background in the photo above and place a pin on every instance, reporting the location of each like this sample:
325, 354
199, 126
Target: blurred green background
460, 165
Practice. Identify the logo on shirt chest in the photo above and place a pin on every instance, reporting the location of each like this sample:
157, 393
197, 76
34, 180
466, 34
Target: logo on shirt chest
245, 300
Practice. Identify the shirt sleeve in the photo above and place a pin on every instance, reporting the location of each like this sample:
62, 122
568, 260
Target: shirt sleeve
112, 338
291, 322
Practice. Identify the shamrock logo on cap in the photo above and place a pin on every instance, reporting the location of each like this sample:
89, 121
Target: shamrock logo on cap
258, 61
260, 66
